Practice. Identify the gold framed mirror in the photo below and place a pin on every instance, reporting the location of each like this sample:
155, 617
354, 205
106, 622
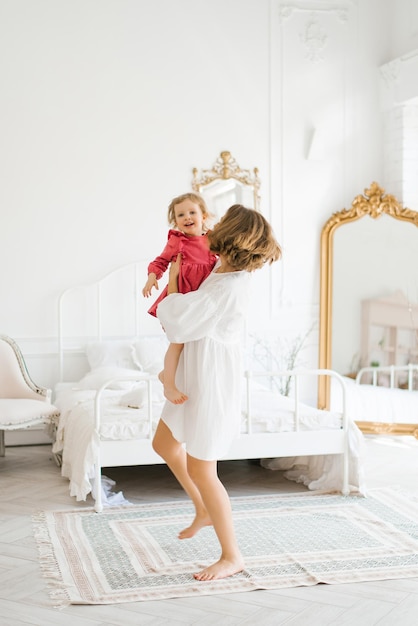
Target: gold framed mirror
226, 183
375, 204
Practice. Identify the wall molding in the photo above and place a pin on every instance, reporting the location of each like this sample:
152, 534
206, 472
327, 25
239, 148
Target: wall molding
314, 37
339, 8
398, 81
313, 25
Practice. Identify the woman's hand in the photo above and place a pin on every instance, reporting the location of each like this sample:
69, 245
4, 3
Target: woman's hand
151, 282
173, 275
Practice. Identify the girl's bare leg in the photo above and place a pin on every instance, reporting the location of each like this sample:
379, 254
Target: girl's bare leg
168, 375
216, 501
174, 455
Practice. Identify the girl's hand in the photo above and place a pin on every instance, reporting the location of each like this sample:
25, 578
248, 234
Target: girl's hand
151, 282
173, 275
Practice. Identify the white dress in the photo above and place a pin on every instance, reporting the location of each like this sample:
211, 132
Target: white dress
210, 323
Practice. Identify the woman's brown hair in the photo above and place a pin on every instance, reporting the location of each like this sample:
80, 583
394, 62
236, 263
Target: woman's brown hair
245, 238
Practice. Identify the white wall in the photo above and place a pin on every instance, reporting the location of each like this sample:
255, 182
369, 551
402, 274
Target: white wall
107, 106
403, 20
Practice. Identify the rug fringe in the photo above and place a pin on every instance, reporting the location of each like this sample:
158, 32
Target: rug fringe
57, 590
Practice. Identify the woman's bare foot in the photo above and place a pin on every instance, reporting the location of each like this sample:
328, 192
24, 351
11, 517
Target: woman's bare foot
172, 394
221, 569
200, 521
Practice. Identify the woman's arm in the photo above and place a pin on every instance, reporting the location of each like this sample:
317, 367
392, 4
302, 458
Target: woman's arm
173, 275
191, 316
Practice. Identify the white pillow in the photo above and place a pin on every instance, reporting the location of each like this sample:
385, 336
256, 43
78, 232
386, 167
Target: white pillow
96, 378
138, 396
111, 353
135, 398
150, 352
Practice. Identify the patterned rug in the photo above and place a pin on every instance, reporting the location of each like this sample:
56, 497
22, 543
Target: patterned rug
132, 553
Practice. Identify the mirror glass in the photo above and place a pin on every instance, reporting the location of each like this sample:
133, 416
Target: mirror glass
226, 184
372, 258
221, 194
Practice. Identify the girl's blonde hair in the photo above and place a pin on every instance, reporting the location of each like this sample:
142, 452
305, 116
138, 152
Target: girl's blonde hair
193, 197
245, 238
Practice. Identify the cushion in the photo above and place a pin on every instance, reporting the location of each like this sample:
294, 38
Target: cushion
99, 376
137, 397
111, 354
149, 353
19, 413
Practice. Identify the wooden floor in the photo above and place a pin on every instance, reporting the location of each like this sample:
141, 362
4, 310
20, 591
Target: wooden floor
30, 481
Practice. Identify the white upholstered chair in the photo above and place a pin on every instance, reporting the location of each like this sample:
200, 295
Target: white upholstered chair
22, 403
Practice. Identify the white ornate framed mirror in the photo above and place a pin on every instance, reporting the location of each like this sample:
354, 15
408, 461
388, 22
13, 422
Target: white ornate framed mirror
380, 248
226, 183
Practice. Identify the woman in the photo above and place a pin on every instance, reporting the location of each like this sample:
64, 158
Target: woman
210, 323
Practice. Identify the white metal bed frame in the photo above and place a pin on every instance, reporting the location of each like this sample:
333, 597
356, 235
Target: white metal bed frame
392, 370
249, 446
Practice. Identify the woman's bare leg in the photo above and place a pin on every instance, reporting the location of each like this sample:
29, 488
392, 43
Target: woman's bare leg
168, 375
216, 501
174, 455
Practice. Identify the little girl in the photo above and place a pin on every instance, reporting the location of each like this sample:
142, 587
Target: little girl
188, 214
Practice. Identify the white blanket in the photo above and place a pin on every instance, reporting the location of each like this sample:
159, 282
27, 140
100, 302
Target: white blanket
366, 403
77, 440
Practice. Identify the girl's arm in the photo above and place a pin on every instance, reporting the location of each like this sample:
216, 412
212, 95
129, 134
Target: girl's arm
159, 265
151, 282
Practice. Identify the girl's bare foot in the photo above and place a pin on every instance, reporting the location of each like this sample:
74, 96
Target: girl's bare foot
221, 569
200, 521
172, 393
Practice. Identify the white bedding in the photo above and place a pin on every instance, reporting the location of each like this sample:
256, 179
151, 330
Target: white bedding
77, 441
366, 403
270, 412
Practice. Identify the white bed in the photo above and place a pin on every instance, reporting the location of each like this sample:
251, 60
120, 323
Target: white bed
108, 416
377, 404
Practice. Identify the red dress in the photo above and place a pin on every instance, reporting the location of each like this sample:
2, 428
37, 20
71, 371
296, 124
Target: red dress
197, 262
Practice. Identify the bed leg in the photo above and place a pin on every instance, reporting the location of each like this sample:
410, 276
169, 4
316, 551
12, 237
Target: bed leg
346, 487
98, 507
98, 504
